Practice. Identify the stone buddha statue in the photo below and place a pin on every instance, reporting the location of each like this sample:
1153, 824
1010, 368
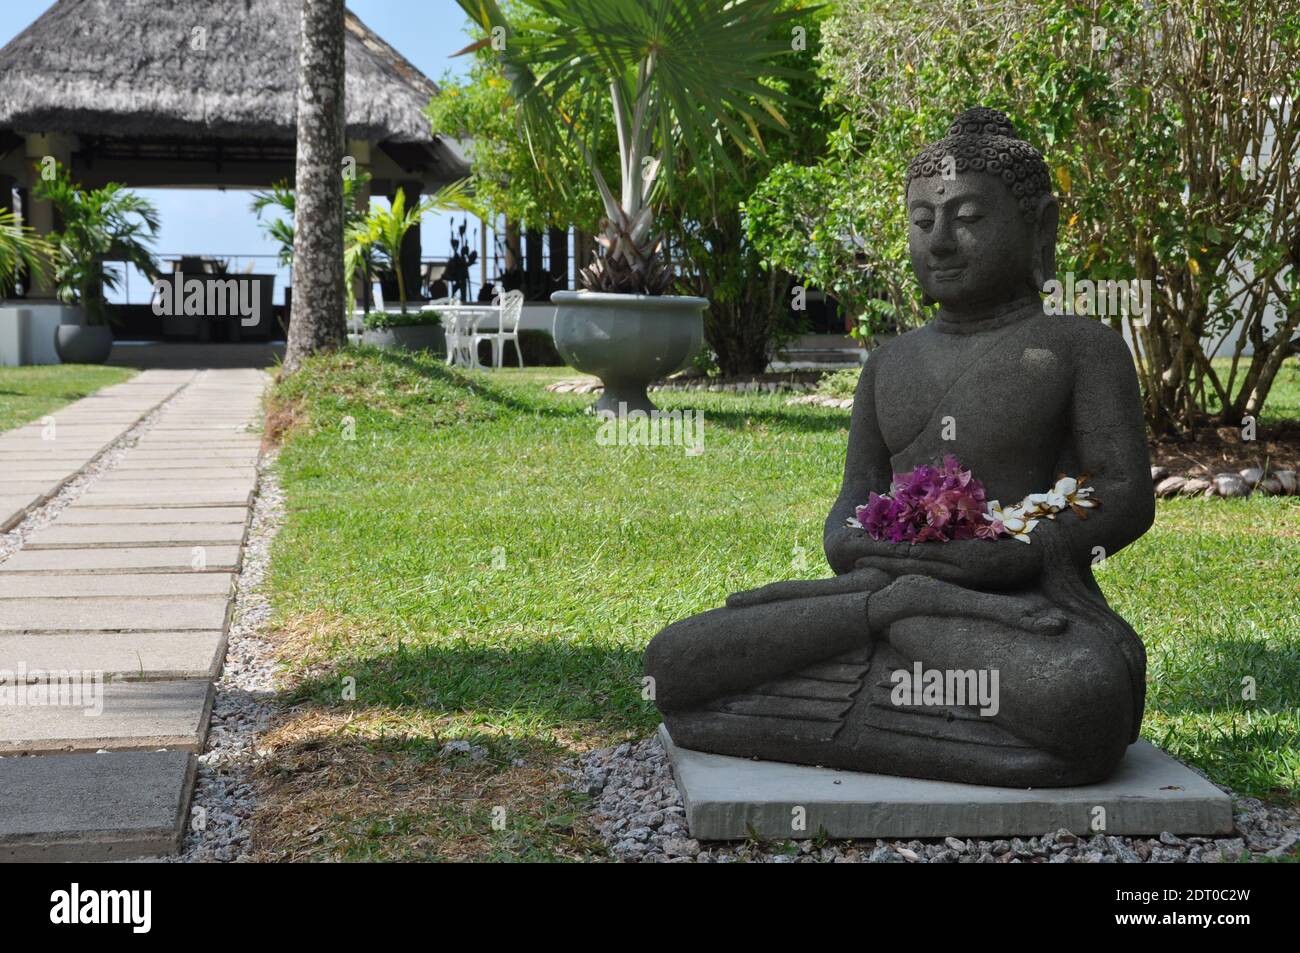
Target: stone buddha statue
808, 671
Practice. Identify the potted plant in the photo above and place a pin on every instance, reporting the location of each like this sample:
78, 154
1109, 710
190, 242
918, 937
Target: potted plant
412, 330
96, 226
676, 74
20, 249
388, 227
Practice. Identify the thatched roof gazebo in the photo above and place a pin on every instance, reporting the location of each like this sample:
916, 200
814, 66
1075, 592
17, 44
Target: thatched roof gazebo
200, 93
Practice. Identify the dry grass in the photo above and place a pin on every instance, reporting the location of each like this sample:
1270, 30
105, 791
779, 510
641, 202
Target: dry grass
281, 418
374, 785
340, 782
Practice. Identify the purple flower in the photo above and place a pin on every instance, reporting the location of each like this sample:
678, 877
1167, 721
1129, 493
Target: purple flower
929, 504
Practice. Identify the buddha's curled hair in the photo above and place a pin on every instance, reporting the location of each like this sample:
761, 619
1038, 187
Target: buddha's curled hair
983, 140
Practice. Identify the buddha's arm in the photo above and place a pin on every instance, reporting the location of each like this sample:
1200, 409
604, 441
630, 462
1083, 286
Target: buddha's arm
866, 469
1111, 443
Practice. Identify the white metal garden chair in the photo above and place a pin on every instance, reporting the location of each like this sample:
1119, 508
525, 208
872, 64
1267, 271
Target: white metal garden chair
507, 329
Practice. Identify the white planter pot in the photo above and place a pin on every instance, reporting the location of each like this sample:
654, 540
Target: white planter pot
28, 328
627, 340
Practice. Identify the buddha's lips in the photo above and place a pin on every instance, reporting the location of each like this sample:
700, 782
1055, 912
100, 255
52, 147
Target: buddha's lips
948, 274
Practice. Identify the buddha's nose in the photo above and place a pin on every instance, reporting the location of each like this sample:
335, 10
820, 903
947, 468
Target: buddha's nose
942, 241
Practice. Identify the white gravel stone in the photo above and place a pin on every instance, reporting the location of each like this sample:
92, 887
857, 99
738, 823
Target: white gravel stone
224, 799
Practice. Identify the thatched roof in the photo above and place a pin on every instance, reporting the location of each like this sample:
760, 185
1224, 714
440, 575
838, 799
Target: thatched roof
128, 68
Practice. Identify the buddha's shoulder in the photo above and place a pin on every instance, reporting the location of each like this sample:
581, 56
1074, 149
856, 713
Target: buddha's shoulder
1082, 337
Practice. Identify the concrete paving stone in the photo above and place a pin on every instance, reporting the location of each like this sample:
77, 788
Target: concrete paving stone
52, 456
87, 433
119, 558
130, 655
107, 496
188, 448
22, 585
71, 537
241, 460
14, 507
99, 413
216, 474
137, 480
28, 444
191, 444
111, 715
112, 614
172, 437
730, 798
94, 807
167, 453
36, 470
89, 515
25, 487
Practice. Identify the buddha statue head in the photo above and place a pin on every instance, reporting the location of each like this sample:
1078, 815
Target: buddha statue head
982, 218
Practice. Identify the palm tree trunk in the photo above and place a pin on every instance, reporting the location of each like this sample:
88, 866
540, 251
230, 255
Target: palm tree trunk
317, 321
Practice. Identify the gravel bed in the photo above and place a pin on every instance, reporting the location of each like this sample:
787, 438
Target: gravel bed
224, 800
639, 815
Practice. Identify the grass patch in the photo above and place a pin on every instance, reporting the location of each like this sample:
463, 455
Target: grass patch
476, 566
29, 393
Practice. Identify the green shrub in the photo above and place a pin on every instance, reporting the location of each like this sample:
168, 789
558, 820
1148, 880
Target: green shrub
840, 383
378, 320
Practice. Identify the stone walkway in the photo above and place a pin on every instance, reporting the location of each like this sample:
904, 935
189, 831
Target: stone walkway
114, 608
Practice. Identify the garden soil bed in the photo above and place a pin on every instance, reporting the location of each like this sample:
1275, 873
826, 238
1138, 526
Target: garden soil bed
1222, 450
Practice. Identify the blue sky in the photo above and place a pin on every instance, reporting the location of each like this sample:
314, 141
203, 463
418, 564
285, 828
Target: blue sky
211, 222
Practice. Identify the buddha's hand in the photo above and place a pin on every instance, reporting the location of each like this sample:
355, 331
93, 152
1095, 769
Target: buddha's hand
846, 547
976, 563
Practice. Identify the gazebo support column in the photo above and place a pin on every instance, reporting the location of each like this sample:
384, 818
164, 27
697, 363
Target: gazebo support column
40, 215
558, 240
359, 151
534, 272
411, 248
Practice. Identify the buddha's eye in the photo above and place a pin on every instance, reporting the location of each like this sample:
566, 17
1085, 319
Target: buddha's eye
924, 222
969, 218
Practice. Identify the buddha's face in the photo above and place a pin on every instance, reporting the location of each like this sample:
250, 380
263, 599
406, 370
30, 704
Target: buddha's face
971, 246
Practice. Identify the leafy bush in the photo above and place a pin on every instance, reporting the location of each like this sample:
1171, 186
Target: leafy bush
840, 383
1169, 126
379, 320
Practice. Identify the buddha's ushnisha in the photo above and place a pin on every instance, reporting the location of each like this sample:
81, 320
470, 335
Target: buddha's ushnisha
807, 671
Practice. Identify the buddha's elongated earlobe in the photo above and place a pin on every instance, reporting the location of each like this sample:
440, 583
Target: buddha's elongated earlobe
1046, 222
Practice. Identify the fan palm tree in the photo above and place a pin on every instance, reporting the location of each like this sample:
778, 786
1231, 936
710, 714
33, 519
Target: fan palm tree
20, 247
674, 72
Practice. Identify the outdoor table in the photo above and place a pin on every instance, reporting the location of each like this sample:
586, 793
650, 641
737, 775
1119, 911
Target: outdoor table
461, 323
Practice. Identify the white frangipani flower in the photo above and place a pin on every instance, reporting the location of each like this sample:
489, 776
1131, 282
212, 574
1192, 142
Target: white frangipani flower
1020, 519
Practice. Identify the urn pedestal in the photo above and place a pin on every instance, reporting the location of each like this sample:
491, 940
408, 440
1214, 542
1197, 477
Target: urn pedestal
627, 340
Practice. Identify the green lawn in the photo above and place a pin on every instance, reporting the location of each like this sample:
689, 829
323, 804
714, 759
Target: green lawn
485, 570
29, 393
